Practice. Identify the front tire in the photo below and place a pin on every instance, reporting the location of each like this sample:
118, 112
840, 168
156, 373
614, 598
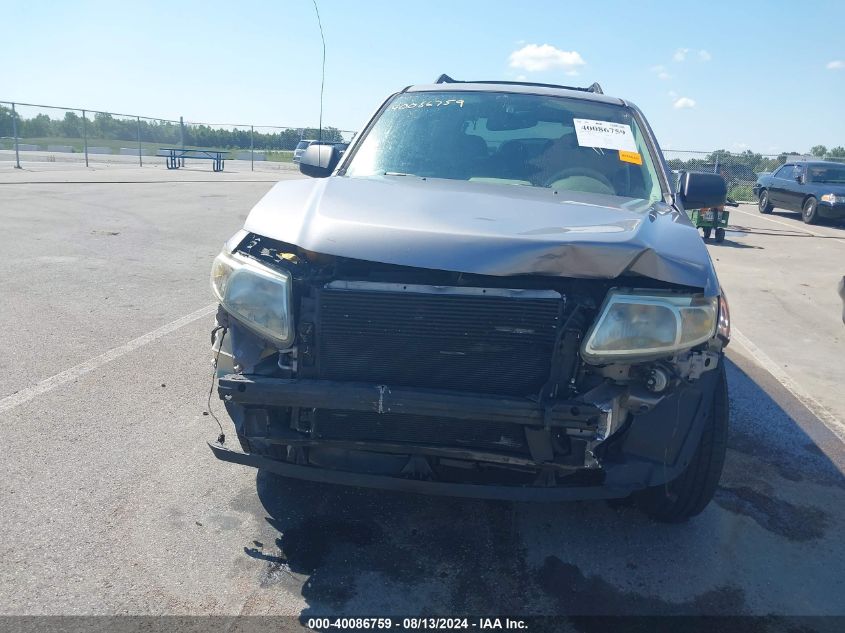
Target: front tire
687, 495
763, 203
720, 235
810, 211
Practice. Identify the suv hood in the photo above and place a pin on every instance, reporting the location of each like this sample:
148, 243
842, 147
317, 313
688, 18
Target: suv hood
488, 229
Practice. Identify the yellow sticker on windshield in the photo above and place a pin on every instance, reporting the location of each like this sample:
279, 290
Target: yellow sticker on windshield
630, 157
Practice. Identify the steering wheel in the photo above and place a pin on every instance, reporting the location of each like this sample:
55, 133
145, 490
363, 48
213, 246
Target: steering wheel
593, 174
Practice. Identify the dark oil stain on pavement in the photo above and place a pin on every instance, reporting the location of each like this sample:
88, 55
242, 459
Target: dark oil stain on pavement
809, 464
795, 522
583, 598
577, 594
355, 551
335, 535
762, 430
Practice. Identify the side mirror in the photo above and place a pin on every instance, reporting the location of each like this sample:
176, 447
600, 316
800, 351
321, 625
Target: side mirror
702, 190
800, 178
319, 161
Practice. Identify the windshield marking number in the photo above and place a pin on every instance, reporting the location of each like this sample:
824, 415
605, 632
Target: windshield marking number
604, 134
434, 103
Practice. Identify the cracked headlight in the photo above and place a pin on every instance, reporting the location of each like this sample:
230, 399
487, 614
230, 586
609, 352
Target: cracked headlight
257, 296
639, 326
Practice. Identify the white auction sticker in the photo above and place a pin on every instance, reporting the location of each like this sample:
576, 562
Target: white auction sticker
604, 134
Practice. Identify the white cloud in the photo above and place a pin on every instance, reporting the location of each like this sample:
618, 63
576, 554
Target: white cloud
660, 71
680, 54
533, 58
682, 103
836, 64
521, 78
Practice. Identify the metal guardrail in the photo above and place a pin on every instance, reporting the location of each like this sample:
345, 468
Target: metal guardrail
147, 130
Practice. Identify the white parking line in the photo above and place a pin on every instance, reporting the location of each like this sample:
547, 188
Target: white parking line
827, 417
48, 384
791, 226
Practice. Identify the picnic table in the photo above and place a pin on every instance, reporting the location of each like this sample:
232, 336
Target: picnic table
175, 156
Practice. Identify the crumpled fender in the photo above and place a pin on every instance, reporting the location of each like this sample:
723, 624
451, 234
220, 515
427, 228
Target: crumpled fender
660, 444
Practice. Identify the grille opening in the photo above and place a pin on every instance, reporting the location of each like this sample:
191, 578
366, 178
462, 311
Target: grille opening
499, 437
480, 343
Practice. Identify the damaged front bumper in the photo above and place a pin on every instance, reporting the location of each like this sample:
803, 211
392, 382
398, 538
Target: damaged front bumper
638, 449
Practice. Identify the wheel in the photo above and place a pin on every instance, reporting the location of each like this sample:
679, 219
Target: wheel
687, 495
810, 211
707, 231
720, 235
764, 204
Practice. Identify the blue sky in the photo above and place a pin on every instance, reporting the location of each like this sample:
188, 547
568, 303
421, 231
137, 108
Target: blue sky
769, 76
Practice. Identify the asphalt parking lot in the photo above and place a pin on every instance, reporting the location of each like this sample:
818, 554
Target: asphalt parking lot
111, 502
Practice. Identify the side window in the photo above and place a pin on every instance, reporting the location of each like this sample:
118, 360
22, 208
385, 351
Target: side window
785, 172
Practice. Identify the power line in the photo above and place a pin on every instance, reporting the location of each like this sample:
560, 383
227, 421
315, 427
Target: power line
323, 74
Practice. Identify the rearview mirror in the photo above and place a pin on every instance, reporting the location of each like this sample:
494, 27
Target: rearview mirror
319, 161
507, 121
702, 190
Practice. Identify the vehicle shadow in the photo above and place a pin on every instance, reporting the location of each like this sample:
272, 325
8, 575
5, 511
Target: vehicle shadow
796, 217
729, 243
797, 232
350, 551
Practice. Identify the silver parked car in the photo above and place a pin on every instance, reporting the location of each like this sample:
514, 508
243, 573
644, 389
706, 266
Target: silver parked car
495, 292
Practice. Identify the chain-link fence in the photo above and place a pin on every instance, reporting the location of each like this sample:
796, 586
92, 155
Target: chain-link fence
740, 170
42, 133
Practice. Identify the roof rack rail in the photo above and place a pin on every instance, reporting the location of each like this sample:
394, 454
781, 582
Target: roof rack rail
595, 87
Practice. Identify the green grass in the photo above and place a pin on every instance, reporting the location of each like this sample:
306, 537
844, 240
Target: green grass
741, 193
283, 156
78, 145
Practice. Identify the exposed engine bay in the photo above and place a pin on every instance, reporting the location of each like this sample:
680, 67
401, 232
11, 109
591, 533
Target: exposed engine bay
449, 377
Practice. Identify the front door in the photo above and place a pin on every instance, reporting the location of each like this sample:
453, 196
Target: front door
778, 188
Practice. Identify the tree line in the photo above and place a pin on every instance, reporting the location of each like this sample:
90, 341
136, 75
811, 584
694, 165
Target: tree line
105, 126
745, 166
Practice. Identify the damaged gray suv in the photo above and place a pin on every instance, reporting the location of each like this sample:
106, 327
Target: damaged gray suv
495, 293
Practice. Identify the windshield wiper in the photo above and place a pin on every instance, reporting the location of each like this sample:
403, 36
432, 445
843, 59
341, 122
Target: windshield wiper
395, 173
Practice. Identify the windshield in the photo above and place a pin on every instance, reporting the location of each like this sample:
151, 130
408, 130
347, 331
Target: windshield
510, 139
827, 174
302, 144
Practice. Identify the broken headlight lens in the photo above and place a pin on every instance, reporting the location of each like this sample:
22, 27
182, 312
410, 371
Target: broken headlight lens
634, 326
257, 296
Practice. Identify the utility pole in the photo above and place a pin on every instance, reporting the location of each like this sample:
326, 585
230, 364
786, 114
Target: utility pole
15, 134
